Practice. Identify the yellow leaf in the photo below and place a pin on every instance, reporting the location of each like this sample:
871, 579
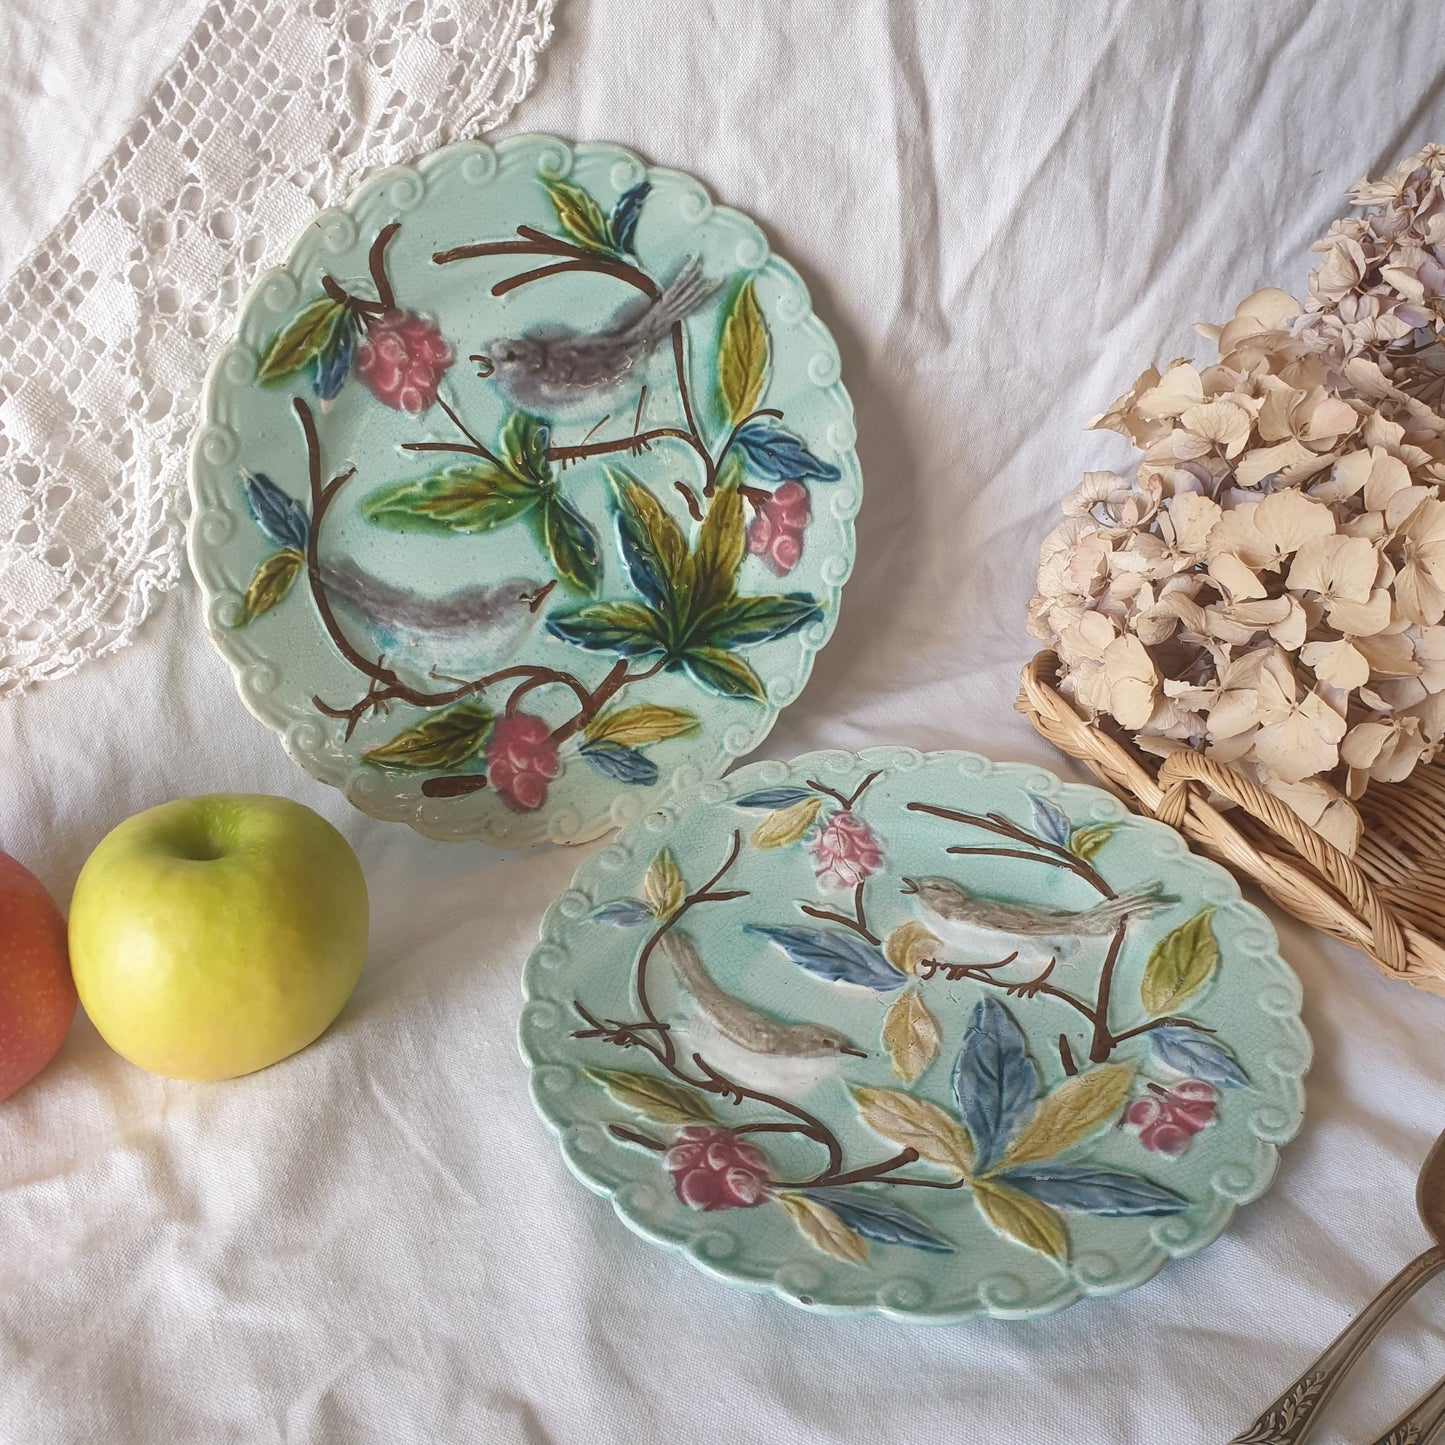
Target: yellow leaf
439, 742
1077, 1107
786, 825
578, 214
660, 1099
910, 1034
909, 945
663, 889
916, 1124
742, 355
824, 1230
1022, 1218
648, 722
1180, 964
270, 583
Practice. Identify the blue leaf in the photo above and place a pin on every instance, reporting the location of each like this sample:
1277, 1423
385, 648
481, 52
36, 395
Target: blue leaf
1050, 822
771, 798
616, 760
1197, 1055
775, 455
832, 954
624, 913
994, 1080
625, 215
280, 517
1089, 1190
332, 362
876, 1219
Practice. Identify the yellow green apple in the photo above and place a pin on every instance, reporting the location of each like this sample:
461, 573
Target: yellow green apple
213, 936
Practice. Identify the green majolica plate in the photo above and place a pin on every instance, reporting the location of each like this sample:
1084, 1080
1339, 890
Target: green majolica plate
917, 1034
525, 492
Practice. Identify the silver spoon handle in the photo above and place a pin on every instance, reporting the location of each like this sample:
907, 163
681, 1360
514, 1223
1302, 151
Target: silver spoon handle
1291, 1417
1421, 1422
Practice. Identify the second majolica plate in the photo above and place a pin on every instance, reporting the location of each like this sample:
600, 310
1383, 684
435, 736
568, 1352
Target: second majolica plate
922, 1035
525, 493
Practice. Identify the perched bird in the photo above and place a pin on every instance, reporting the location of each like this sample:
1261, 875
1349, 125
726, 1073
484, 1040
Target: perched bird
1033, 931
468, 631
552, 365
740, 1022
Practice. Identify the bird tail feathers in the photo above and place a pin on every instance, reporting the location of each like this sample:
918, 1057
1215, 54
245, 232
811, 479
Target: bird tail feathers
1139, 903
688, 290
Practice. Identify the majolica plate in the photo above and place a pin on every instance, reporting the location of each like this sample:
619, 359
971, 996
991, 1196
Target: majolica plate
525, 493
916, 1034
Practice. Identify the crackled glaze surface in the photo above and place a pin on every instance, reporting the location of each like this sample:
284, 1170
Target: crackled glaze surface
916, 1034
525, 493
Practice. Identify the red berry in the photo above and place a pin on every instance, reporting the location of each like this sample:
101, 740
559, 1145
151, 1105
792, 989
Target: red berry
521, 761
403, 360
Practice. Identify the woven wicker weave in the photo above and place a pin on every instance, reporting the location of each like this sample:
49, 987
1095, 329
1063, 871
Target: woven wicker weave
1388, 900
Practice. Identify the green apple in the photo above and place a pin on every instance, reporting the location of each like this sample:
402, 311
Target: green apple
213, 936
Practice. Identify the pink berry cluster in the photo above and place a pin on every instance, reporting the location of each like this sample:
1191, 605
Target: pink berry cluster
712, 1168
1169, 1118
521, 761
776, 532
403, 360
845, 851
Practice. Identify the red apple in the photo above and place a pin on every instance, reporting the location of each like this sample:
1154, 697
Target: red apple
37, 994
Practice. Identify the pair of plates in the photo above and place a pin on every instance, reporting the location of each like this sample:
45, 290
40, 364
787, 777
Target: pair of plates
523, 499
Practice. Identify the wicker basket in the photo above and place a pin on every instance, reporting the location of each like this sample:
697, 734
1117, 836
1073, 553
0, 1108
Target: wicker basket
1388, 900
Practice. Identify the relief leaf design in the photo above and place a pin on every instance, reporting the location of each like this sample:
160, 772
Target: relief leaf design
787, 825
664, 889
1085, 843
1076, 1108
719, 671
1196, 1055
578, 214
914, 1123
661, 1099
1089, 1190
994, 1080
773, 798
832, 954
444, 740
622, 913
911, 1037
613, 760
625, 215
823, 1229
1050, 821
775, 455
269, 583
300, 341
281, 518
474, 496
742, 369
568, 539
1021, 1217
1180, 964
876, 1219
647, 722
909, 945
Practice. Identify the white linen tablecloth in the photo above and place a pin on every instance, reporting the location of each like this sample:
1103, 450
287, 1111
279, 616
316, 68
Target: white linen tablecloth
1004, 211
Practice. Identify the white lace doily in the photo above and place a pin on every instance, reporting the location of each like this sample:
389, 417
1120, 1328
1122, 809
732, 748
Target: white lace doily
273, 108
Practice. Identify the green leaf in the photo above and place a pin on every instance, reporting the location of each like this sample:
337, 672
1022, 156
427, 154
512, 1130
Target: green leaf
571, 544
786, 825
578, 214
270, 583
647, 722
627, 628
1180, 964
747, 620
438, 743
1076, 1108
1026, 1220
721, 543
742, 365
823, 1229
913, 1123
663, 889
473, 497
299, 342
1085, 842
723, 673
523, 444
660, 1099
654, 554
910, 1035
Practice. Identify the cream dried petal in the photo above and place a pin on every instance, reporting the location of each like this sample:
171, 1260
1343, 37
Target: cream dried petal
1187, 521
1390, 654
1094, 488
1387, 476
1290, 519
1340, 663
1430, 657
1331, 417
1132, 680
1264, 462
1176, 391
1237, 580
1360, 619
1223, 422
1348, 476
1302, 744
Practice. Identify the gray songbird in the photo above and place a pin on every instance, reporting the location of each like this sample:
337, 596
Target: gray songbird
552, 365
457, 634
741, 1023
1033, 931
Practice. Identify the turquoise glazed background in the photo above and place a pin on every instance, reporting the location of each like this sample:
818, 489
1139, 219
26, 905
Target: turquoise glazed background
1143, 1152
760, 409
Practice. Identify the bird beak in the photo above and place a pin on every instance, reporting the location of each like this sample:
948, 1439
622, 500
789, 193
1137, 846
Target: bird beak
909, 886
487, 363
856, 1053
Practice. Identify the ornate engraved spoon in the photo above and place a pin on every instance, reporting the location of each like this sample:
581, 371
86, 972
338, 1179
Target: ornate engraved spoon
1421, 1422
1291, 1417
